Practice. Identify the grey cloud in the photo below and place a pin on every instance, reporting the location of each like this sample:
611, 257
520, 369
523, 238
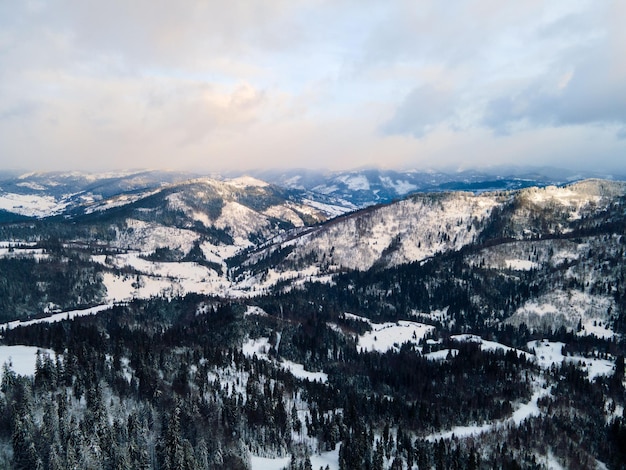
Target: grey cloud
591, 97
423, 109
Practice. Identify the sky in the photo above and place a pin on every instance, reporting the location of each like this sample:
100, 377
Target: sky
232, 85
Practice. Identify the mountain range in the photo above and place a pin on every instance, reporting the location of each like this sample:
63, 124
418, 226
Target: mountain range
364, 319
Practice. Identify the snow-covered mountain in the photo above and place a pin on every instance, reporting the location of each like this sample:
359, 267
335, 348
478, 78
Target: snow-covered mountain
243, 237
54, 193
287, 330
361, 188
423, 225
334, 193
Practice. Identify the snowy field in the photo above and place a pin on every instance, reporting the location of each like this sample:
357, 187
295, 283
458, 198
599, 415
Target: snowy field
30, 205
56, 317
484, 344
317, 460
546, 354
21, 358
390, 336
549, 352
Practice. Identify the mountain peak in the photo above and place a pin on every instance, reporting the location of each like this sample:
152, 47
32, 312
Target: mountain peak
247, 182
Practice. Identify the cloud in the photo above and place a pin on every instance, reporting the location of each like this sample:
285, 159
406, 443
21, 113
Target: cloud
337, 83
585, 86
422, 110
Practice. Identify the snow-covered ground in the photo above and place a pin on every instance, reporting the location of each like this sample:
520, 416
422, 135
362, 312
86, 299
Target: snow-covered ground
441, 354
11, 251
147, 237
549, 352
388, 336
261, 347
167, 279
119, 201
566, 308
546, 353
484, 344
21, 358
56, 317
522, 412
328, 209
30, 205
317, 461
520, 264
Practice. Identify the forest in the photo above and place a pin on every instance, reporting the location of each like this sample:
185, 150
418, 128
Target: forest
157, 384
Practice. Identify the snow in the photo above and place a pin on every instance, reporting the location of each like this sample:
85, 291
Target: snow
436, 315
568, 196
240, 221
551, 462
57, 317
219, 253
297, 370
119, 201
31, 185
147, 237
326, 458
355, 182
597, 327
565, 308
284, 213
546, 354
410, 230
21, 358
264, 463
549, 352
317, 460
36, 253
401, 187
261, 346
328, 209
520, 264
523, 411
484, 344
254, 310
388, 336
441, 355
246, 182
16, 245
30, 205
158, 278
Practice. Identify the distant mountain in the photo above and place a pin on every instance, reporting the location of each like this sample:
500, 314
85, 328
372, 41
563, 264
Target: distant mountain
46, 194
51, 194
333, 193
361, 188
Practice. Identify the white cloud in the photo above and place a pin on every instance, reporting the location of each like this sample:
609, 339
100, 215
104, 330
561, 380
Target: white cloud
209, 84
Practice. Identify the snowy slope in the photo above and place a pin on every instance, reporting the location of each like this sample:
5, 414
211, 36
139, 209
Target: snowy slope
570, 309
406, 231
